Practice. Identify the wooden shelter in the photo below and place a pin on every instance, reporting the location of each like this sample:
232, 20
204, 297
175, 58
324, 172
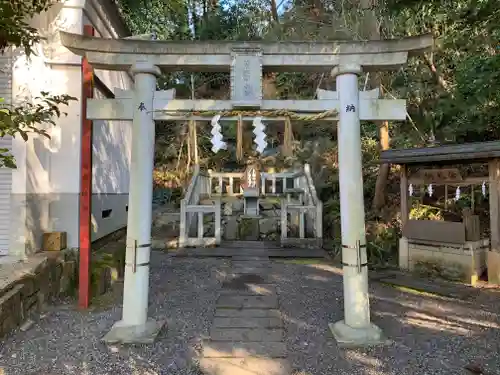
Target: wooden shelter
451, 245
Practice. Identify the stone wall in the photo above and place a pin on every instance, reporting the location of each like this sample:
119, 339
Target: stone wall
25, 287
237, 227
45, 278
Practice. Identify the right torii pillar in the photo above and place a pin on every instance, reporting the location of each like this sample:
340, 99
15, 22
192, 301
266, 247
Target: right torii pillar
356, 328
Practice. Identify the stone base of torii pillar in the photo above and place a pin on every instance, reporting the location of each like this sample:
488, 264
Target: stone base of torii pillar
145, 333
356, 328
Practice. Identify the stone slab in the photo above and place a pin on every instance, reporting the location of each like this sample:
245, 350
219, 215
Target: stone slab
229, 349
248, 313
245, 366
250, 302
249, 290
246, 334
223, 322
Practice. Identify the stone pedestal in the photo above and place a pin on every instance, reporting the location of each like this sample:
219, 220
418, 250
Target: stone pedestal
249, 228
251, 202
404, 255
493, 264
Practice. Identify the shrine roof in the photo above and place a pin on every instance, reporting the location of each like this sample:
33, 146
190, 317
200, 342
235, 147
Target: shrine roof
446, 154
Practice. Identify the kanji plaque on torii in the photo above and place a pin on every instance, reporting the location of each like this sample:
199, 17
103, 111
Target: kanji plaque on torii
246, 77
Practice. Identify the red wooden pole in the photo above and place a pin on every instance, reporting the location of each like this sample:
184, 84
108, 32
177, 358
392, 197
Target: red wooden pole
85, 182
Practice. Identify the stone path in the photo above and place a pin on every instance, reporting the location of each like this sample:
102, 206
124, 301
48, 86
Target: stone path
247, 333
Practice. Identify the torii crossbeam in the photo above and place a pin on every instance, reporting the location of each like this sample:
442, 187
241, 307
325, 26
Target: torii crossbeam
165, 107
246, 61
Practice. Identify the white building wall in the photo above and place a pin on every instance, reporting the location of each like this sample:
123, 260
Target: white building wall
5, 143
111, 142
46, 187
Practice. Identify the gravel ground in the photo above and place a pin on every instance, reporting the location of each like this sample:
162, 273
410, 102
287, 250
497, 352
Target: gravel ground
429, 335
66, 341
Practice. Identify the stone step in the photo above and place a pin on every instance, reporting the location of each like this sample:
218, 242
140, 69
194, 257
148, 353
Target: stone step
237, 258
251, 263
248, 313
250, 270
223, 322
245, 366
249, 302
246, 334
242, 282
253, 252
250, 244
229, 349
248, 289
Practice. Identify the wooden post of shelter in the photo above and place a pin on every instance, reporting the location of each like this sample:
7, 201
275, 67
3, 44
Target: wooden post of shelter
405, 210
493, 259
405, 213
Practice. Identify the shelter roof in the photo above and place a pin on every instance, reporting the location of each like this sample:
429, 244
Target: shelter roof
446, 154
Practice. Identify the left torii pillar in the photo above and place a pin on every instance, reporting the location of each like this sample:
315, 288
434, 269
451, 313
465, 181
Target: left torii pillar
135, 326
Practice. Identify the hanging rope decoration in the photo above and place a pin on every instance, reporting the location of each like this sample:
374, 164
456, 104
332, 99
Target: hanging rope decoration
410, 190
239, 139
483, 188
192, 135
457, 193
217, 139
430, 190
259, 129
288, 138
273, 113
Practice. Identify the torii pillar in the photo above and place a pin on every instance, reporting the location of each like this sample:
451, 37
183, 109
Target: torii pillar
135, 327
356, 328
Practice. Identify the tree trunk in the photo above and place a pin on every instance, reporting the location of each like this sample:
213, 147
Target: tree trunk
373, 30
429, 60
274, 11
383, 172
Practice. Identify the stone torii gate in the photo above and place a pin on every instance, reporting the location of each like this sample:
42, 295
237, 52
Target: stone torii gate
246, 61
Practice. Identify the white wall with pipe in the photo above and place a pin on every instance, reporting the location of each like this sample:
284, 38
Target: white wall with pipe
46, 184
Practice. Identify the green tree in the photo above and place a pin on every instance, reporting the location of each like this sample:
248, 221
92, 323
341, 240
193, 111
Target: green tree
15, 32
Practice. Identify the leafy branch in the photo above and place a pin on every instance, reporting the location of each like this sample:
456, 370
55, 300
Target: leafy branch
27, 118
